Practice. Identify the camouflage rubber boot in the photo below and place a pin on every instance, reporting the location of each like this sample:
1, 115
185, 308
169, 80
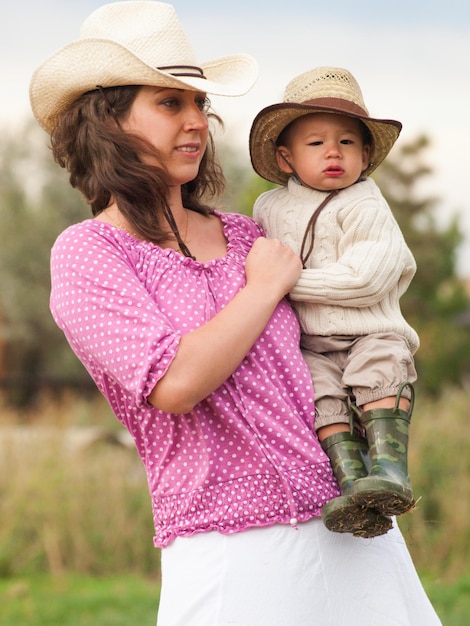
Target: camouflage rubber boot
348, 453
387, 487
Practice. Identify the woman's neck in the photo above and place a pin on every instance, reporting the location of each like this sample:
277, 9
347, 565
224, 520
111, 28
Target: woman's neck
175, 202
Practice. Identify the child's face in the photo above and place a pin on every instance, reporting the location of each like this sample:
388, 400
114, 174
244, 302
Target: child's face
325, 150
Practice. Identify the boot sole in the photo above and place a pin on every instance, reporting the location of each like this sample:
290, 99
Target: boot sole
347, 517
385, 500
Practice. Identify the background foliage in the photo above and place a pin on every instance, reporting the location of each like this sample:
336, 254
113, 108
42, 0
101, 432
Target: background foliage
437, 302
73, 495
36, 203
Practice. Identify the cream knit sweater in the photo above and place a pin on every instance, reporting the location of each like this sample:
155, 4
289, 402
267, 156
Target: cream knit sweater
360, 265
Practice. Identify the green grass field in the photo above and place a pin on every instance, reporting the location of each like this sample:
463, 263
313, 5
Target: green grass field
132, 601
76, 526
78, 601
451, 600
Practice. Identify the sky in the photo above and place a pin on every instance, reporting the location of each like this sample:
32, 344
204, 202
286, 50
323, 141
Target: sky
410, 58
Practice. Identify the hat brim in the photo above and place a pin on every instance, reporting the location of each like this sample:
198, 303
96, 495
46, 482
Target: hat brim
83, 65
271, 121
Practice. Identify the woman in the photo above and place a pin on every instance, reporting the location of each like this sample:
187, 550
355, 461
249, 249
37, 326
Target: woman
178, 313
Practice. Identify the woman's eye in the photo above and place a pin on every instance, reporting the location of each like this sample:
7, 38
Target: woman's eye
203, 104
170, 102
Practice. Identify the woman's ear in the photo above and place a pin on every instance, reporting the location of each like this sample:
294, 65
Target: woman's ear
282, 158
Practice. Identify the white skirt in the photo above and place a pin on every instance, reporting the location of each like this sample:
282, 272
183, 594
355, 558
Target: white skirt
280, 576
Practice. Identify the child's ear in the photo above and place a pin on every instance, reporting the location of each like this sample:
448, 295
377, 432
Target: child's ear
282, 158
365, 157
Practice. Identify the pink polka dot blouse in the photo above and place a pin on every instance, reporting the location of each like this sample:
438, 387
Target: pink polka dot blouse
245, 456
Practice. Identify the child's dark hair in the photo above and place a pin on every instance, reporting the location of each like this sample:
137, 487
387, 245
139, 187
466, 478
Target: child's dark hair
282, 139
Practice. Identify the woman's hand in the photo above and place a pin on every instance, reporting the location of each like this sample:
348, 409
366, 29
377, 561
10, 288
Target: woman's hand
272, 267
208, 355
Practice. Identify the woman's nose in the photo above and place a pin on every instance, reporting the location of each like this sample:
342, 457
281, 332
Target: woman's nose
196, 118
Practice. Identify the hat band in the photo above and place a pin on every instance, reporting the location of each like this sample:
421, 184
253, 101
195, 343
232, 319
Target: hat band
338, 103
183, 70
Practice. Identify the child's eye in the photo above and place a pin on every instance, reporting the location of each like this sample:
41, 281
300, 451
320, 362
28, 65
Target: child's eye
316, 143
347, 142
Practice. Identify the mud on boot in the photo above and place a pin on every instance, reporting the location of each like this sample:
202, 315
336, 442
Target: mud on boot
348, 453
387, 487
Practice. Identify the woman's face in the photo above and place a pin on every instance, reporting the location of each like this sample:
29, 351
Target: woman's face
175, 122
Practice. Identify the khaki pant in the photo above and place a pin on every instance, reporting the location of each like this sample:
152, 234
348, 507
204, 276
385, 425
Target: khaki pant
360, 369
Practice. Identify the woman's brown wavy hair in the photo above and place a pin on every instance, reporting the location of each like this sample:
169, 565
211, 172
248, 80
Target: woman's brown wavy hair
105, 162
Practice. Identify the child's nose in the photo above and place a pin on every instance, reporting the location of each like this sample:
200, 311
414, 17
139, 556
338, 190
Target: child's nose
333, 150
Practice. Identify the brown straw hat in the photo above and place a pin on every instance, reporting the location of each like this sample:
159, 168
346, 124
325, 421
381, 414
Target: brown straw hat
132, 43
321, 90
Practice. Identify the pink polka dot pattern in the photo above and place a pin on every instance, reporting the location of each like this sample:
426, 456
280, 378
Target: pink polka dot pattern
247, 455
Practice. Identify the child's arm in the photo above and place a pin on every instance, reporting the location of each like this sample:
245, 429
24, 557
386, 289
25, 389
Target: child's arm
371, 259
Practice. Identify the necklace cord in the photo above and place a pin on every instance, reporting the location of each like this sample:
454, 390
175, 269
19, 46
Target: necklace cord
183, 248
185, 251
310, 229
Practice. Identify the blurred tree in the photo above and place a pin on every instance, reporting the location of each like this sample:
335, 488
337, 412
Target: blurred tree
437, 296
243, 185
36, 203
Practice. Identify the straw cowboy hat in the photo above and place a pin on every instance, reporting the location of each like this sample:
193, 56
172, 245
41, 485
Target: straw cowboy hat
321, 90
132, 43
